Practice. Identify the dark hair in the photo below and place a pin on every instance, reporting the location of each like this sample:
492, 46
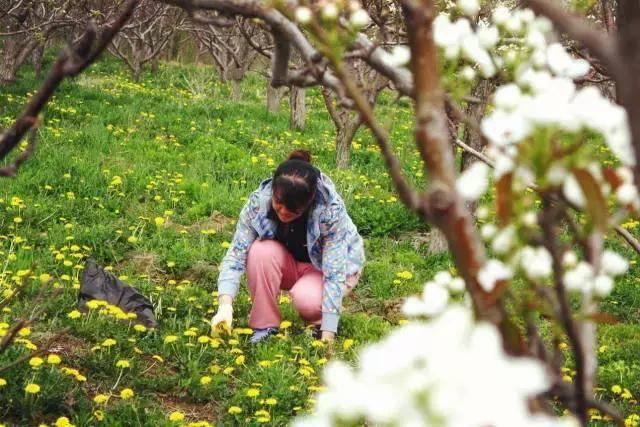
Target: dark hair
294, 181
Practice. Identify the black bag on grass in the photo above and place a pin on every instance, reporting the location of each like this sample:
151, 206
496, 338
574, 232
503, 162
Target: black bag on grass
99, 284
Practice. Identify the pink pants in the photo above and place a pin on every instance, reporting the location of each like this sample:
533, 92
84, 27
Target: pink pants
270, 269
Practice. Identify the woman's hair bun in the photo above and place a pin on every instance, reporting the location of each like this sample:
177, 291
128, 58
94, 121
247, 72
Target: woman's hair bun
303, 155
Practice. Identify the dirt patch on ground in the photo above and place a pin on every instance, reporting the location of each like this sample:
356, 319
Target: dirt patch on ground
433, 241
389, 309
192, 411
143, 263
202, 271
70, 348
216, 221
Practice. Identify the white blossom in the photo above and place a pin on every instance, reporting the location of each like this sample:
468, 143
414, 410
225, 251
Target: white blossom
507, 97
474, 181
502, 128
302, 14
613, 263
448, 371
482, 212
602, 285
569, 259
513, 24
330, 11
493, 271
359, 18
469, 7
563, 64
488, 36
536, 39
456, 285
434, 300
468, 73
504, 240
536, 262
500, 15
488, 231
573, 192
530, 219
556, 174
442, 278
580, 278
400, 55
627, 194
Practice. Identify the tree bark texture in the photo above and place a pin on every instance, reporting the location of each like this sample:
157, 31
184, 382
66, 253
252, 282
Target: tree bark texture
298, 108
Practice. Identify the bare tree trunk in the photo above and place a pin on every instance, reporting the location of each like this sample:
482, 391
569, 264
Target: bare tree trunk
136, 70
476, 111
36, 59
236, 75
344, 137
298, 108
274, 96
9, 66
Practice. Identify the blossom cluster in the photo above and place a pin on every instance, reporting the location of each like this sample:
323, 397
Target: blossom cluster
434, 378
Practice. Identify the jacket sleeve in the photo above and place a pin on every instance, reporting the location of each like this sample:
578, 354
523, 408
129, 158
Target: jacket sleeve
234, 263
334, 265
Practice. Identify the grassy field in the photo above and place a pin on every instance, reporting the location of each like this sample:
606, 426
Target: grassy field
148, 178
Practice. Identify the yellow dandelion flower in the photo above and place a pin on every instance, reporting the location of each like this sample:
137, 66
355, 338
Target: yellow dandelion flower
35, 362
74, 314
170, 338
32, 388
285, 324
140, 328
407, 275
205, 380
63, 422
24, 332
203, 339
3, 382
109, 342
233, 410
81, 378
616, 389
93, 304
44, 278
54, 359
176, 416
271, 401
240, 360
253, 392
123, 364
346, 345
159, 221
99, 415
126, 393
100, 398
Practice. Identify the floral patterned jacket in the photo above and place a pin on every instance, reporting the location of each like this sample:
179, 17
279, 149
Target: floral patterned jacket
336, 248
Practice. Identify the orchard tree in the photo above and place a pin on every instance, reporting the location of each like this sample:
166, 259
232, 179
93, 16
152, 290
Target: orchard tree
25, 28
146, 35
229, 48
346, 120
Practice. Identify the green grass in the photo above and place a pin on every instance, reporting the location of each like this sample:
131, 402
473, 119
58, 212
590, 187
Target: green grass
113, 156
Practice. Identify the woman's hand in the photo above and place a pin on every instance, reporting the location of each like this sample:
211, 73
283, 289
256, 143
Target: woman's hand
225, 312
328, 336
